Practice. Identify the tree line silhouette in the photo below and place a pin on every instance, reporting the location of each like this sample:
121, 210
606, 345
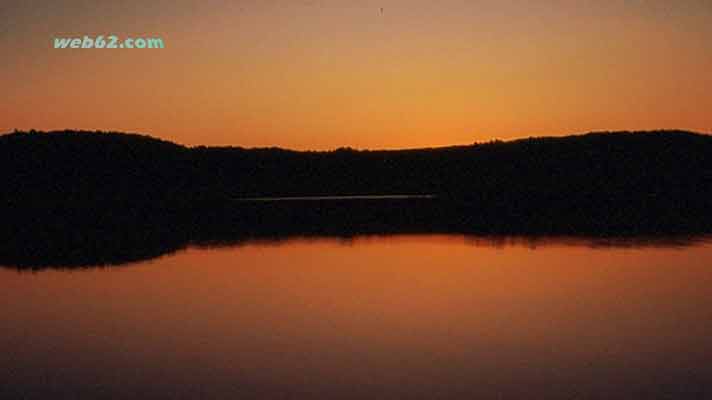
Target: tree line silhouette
69, 186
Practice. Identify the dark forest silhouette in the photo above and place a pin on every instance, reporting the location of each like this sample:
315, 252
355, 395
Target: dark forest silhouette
67, 191
91, 166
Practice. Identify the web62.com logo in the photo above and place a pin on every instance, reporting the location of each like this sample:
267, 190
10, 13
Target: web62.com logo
110, 42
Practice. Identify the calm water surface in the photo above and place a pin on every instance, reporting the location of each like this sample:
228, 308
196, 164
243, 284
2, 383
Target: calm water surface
352, 197
391, 317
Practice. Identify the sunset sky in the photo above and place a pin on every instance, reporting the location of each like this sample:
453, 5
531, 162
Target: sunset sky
311, 74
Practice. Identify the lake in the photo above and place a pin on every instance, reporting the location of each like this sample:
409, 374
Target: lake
369, 317
338, 198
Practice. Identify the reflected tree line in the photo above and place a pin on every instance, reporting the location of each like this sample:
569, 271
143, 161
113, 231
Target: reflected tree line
97, 198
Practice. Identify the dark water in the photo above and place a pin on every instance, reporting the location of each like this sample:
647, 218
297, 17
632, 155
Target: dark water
327, 198
391, 317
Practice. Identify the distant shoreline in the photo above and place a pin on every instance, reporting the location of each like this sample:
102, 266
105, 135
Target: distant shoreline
63, 185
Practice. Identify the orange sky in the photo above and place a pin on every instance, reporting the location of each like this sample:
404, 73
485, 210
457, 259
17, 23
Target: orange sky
312, 74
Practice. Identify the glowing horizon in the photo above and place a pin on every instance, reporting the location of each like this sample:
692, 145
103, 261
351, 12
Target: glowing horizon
322, 75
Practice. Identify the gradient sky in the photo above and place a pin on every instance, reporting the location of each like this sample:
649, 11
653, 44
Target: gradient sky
312, 74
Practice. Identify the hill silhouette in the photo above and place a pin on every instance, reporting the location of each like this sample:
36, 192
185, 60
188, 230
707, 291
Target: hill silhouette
81, 165
70, 187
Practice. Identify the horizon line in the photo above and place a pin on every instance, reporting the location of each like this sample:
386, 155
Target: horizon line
349, 148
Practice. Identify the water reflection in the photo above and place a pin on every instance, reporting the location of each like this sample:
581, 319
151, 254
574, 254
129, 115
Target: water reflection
593, 242
79, 250
376, 316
